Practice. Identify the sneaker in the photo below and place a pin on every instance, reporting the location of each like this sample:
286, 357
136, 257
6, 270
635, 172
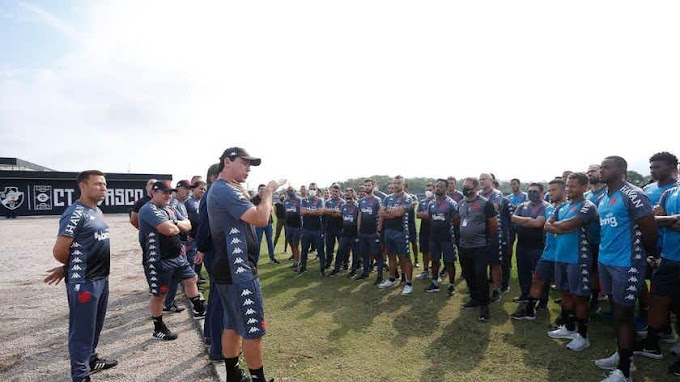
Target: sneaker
668, 337
164, 334
471, 304
99, 364
675, 350
361, 277
612, 362
558, 301
505, 290
432, 288
522, 315
520, 299
578, 343
562, 333
174, 308
442, 273
675, 368
408, 289
617, 376
496, 295
555, 324
542, 306
450, 290
334, 273
387, 284
649, 353
377, 281
198, 315
274, 261
423, 275
416, 264
484, 313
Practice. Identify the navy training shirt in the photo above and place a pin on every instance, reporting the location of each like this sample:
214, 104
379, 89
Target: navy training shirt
350, 216
369, 208
150, 216
396, 201
441, 214
312, 223
292, 207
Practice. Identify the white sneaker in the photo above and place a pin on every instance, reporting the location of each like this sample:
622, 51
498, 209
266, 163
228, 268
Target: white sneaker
439, 279
675, 350
578, 343
423, 275
408, 289
612, 362
387, 284
617, 376
562, 333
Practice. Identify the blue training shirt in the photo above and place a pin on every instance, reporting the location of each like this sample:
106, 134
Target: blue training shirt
90, 254
517, 199
670, 203
549, 249
570, 247
620, 236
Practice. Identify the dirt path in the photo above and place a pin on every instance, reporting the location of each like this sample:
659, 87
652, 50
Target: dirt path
34, 316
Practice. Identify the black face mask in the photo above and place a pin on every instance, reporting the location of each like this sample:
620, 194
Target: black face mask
534, 197
468, 191
291, 194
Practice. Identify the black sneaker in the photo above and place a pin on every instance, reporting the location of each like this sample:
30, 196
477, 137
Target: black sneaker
520, 299
653, 353
164, 334
351, 274
505, 289
334, 273
174, 308
675, 368
556, 324
361, 277
542, 306
378, 281
484, 313
198, 314
432, 288
522, 314
471, 304
450, 290
496, 295
274, 261
99, 364
557, 300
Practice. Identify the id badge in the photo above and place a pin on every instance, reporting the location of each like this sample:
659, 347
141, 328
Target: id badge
464, 223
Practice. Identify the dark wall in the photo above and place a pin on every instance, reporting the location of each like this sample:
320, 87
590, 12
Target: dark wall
32, 193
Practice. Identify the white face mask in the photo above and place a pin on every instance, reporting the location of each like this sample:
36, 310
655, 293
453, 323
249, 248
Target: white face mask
312, 193
428, 194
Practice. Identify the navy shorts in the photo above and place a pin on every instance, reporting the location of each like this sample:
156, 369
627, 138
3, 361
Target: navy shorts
160, 275
623, 284
395, 243
442, 248
424, 242
412, 236
545, 271
573, 278
293, 235
666, 279
243, 308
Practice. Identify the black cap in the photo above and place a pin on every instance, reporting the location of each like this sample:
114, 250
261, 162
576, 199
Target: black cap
237, 152
162, 186
183, 183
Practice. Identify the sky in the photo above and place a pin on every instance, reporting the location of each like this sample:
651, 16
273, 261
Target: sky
323, 91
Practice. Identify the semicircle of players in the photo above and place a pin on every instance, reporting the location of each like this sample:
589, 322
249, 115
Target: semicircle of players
590, 235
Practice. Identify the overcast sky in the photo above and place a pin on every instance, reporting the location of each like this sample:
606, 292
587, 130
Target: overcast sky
326, 90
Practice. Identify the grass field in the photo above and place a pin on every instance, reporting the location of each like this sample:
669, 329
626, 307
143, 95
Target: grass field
338, 329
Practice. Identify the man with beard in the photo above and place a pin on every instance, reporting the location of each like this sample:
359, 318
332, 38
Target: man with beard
293, 227
311, 209
499, 261
348, 236
424, 233
367, 225
595, 194
443, 214
333, 224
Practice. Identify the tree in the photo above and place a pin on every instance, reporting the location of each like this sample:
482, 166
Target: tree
638, 179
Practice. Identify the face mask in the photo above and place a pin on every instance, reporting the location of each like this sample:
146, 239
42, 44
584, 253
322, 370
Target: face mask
428, 194
312, 193
282, 198
291, 194
534, 197
468, 191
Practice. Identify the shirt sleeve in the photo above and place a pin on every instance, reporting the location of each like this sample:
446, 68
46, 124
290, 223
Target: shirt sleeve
638, 204
153, 216
489, 210
233, 202
664, 197
203, 239
69, 223
587, 213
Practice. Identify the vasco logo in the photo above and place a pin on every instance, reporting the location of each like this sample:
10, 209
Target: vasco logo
11, 198
609, 220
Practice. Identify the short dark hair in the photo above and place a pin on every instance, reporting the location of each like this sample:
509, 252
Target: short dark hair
515, 179
442, 180
213, 171
85, 175
475, 181
665, 156
558, 181
539, 185
261, 185
619, 161
580, 177
335, 186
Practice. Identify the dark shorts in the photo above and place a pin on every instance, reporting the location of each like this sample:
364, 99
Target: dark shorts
395, 243
545, 271
412, 236
160, 275
496, 252
623, 284
424, 242
293, 235
442, 248
666, 279
243, 308
573, 278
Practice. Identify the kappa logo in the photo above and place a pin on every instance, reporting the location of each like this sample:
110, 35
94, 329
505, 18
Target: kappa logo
240, 270
152, 253
238, 261
151, 266
638, 257
77, 260
75, 275
633, 279
152, 234
585, 280
237, 251
252, 321
584, 272
151, 247
11, 198
154, 291
633, 270
630, 297
235, 240
154, 285
234, 231
76, 268
154, 279
584, 256
632, 288
75, 245
77, 252
250, 311
246, 292
153, 273
248, 302
152, 241
253, 330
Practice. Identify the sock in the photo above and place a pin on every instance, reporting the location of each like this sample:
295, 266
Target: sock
531, 306
582, 327
233, 371
198, 304
257, 374
625, 356
568, 319
392, 279
652, 340
158, 322
409, 283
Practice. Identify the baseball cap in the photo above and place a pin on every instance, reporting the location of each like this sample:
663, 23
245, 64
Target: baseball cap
162, 186
183, 183
236, 152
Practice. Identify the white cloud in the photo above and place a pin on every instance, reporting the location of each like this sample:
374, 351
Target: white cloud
324, 91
